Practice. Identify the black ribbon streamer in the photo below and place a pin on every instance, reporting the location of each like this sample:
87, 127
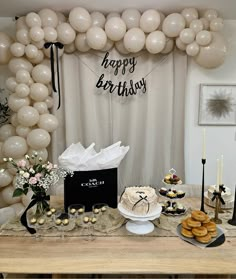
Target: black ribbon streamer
57, 45
35, 199
142, 198
215, 193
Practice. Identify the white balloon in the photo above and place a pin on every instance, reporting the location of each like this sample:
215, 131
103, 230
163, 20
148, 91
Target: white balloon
6, 213
41, 107
32, 19
22, 131
42, 153
5, 178
70, 48
22, 90
81, 42
26, 199
112, 14
18, 208
131, 18
7, 194
187, 36
61, 17
17, 49
205, 22
108, 46
173, 24
49, 102
80, 19
155, 42
17, 64
27, 116
119, 45
6, 131
38, 139
31, 51
48, 18
162, 17
21, 24
210, 14
65, 33
38, 59
180, 45
115, 28
216, 24
192, 49
30, 82
134, 40
38, 92
204, 38
36, 33
196, 25
15, 102
96, 38
13, 120
39, 44
168, 46
22, 36
11, 84
50, 34
189, 15
41, 74
46, 51
150, 20
14, 147
22, 76
5, 43
98, 19
213, 55
48, 122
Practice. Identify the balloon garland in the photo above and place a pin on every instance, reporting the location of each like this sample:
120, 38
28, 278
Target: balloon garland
129, 32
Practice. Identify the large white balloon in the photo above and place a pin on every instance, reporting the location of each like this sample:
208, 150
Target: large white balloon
42, 153
22, 76
196, 25
65, 33
14, 147
131, 18
48, 122
203, 38
5, 43
155, 42
6, 131
18, 207
96, 38
36, 33
38, 59
22, 131
17, 64
134, 40
150, 20
15, 102
48, 18
50, 34
189, 15
38, 92
192, 49
80, 19
38, 139
32, 19
22, 36
98, 19
213, 55
17, 49
11, 84
41, 74
173, 24
187, 36
22, 90
31, 51
6, 213
115, 28
27, 116
216, 24
5, 178
81, 42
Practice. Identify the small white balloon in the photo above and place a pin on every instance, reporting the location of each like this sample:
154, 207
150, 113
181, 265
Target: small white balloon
112, 14
49, 102
162, 16
210, 14
36, 33
14, 147
187, 36
38, 59
81, 42
21, 24
31, 51
119, 45
32, 19
38, 92
17, 49
46, 52
80, 19
11, 84
22, 76
61, 17
115, 28
38, 139
50, 34
168, 46
41, 107
48, 18
196, 25
13, 120
131, 18
204, 38
41, 74
180, 45
27, 116
15, 102
155, 42
134, 40
17, 64
189, 15
205, 22
216, 24
5, 178
96, 38
98, 19
6, 131
39, 44
150, 20
48, 122
173, 24
108, 46
70, 48
65, 33
22, 131
23, 37
22, 90
192, 49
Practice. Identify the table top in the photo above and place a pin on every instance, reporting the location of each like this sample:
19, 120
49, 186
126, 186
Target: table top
114, 255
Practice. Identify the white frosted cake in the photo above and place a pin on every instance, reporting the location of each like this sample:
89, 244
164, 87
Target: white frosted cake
227, 195
140, 200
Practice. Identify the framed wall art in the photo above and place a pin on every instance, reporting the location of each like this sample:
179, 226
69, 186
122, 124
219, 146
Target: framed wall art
217, 104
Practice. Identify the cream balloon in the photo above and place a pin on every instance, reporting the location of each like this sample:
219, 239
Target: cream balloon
36, 33
5, 43
39, 44
173, 24
21, 24
42, 153
41, 107
119, 45
14, 147
17, 49
22, 36
38, 59
27, 116
115, 28
131, 18
7, 194
80, 19
48, 122
26, 199
18, 208
96, 38
213, 55
38, 139
46, 52
61, 17
22, 76
70, 48
155, 42
196, 25
192, 49
189, 15
50, 34
108, 46
31, 51
13, 120
32, 19
162, 17
15, 102
65, 33
134, 40
150, 20
5, 178
210, 14
48, 18
205, 22
30, 82
17, 64
216, 24
6, 131
168, 46
187, 36
22, 90
49, 102
81, 42
112, 14
2, 163
204, 38
180, 45
41, 74
6, 213
98, 19
22, 131
38, 92
11, 84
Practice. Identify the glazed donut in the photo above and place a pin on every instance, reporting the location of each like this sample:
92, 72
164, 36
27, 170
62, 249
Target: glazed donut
207, 220
185, 225
213, 233
211, 226
198, 215
204, 239
199, 231
193, 223
187, 233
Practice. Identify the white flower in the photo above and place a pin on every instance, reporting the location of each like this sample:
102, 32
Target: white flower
10, 159
26, 175
2, 170
31, 170
5, 159
21, 172
55, 166
27, 157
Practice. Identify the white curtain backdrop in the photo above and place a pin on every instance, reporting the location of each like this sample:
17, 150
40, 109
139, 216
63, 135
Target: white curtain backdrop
152, 124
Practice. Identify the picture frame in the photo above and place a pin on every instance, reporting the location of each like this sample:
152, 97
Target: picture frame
217, 105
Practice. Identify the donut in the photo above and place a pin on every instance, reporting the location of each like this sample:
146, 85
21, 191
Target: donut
187, 233
193, 223
203, 239
199, 231
213, 233
207, 220
185, 225
198, 215
211, 226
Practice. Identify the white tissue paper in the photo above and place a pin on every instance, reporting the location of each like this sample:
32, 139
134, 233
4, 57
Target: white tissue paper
78, 158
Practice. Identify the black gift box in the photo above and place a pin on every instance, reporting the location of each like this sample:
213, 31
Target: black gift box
90, 187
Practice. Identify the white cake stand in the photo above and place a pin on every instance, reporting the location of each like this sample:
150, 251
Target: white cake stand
140, 224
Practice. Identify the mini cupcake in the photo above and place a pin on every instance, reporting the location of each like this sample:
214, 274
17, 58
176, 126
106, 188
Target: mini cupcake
163, 191
180, 194
170, 210
171, 195
163, 206
180, 208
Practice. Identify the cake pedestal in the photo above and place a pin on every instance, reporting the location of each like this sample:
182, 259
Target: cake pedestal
140, 224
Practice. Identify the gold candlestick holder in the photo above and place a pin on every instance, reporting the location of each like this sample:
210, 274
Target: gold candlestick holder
222, 189
217, 197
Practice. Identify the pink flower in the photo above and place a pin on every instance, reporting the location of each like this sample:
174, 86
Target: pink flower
38, 176
33, 180
21, 163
